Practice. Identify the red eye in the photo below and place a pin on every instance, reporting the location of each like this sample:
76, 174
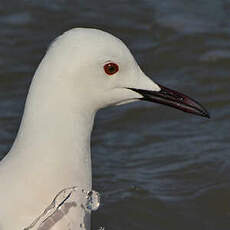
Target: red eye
111, 68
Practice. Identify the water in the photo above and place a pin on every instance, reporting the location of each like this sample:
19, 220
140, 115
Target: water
90, 201
156, 168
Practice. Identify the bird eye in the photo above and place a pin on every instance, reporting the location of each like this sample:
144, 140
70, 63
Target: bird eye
111, 68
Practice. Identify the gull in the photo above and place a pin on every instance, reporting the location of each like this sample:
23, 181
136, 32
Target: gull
83, 71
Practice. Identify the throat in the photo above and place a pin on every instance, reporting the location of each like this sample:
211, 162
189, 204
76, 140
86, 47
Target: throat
61, 134
57, 148
55, 140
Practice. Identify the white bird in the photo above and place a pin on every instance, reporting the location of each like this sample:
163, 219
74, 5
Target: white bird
83, 71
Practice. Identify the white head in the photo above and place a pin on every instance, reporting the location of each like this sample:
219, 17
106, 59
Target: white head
99, 65
100, 70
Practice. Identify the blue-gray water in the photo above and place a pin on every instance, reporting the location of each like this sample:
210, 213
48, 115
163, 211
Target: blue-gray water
157, 168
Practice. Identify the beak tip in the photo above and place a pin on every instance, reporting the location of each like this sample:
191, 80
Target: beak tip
205, 113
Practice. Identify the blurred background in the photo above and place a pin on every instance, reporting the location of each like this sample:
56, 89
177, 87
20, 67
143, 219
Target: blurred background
156, 168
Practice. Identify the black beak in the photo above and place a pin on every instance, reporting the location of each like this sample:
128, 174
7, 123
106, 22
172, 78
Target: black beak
173, 99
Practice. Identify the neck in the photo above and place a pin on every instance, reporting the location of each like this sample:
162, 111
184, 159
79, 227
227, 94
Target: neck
55, 129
